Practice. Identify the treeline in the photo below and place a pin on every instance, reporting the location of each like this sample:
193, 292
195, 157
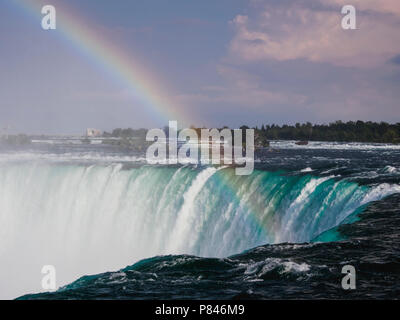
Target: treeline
132, 139
126, 133
351, 131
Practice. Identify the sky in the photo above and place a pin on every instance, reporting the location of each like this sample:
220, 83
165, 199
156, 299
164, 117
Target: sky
210, 63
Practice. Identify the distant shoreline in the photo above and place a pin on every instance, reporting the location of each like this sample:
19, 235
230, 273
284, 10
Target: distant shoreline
347, 132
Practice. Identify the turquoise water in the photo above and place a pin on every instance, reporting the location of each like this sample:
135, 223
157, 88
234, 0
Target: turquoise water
87, 219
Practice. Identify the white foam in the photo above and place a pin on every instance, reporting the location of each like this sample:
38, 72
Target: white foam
291, 144
256, 270
80, 157
390, 170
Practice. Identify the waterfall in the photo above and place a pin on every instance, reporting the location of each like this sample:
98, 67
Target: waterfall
91, 219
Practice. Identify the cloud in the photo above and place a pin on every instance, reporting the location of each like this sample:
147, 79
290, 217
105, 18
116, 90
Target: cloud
291, 61
383, 6
244, 89
297, 31
396, 59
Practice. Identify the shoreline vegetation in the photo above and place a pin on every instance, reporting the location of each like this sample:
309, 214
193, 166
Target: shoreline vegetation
338, 131
358, 131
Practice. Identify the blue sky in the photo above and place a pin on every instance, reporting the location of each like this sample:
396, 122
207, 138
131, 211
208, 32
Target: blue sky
227, 62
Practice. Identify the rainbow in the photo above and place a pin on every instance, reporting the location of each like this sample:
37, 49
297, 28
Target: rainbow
122, 67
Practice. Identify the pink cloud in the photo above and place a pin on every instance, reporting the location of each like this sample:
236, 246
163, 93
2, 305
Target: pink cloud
298, 32
383, 6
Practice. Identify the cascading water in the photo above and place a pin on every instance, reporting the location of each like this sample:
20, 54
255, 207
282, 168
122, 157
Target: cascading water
88, 219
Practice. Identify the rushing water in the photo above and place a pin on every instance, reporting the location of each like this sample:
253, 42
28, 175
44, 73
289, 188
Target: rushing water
88, 210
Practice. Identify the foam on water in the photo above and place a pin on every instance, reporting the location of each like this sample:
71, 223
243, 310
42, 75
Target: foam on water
88, 219
286, 144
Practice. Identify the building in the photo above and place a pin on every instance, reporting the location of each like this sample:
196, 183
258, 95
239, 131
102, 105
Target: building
92, 133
